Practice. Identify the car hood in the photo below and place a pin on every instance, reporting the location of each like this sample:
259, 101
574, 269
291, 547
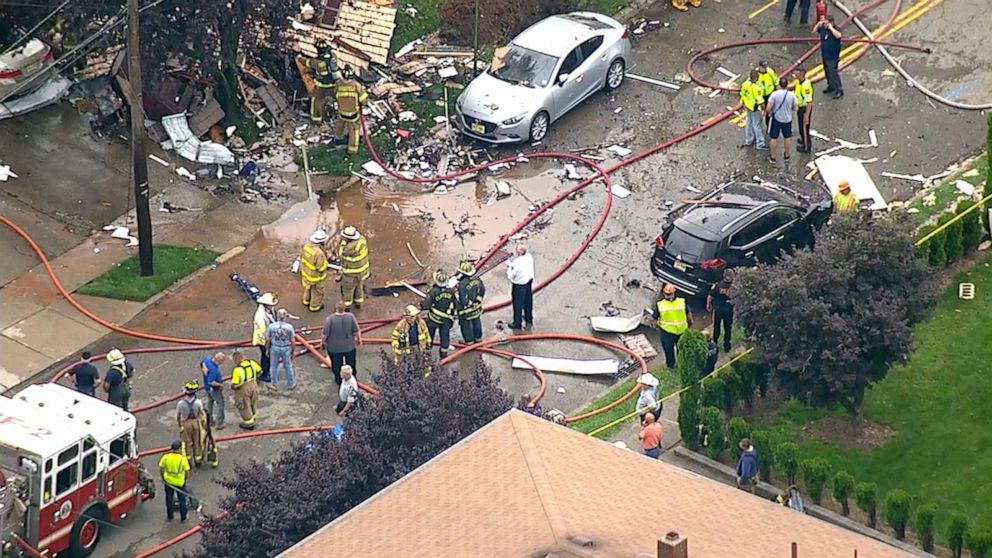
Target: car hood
496, 100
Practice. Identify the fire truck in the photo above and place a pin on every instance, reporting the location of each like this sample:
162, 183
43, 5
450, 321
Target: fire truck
68, 467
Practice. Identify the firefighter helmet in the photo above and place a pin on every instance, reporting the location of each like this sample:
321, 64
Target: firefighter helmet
348, 72
115, 357
411, 311
440, 278
466, 268
192, 387
323, 49
350, 233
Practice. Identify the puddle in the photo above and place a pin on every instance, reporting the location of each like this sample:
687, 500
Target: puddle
392, 214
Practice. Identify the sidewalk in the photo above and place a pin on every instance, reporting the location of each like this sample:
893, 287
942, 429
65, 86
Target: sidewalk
39, 328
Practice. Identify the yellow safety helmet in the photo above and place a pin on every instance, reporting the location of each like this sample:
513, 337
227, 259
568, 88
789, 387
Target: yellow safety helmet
192, 387
466, 268
115, 356
669, 289
440, 278
411, 311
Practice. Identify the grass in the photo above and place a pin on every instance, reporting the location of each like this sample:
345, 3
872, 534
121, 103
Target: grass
668, 383
409, 28
946, 194
938, 406
172, 263
608, 7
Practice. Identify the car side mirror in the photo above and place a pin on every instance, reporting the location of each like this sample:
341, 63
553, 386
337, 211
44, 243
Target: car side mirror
562, 78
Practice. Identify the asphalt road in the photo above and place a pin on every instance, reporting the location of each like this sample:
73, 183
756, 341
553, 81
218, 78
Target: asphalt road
913, 136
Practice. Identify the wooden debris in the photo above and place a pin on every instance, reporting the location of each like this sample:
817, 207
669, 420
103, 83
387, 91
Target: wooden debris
275, 101
205, 116
393, 88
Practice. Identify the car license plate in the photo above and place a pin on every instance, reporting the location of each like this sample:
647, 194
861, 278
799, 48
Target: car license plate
478, 128
29, 69
681, 266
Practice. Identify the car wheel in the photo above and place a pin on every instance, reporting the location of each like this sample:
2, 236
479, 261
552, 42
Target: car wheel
616, 74
539, 126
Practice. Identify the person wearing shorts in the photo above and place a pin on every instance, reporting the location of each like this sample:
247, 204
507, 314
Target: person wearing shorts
780, 106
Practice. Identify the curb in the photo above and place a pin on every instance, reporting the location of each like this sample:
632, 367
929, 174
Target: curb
769, 491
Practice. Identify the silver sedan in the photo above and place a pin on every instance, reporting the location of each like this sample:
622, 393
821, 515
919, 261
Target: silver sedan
547, 70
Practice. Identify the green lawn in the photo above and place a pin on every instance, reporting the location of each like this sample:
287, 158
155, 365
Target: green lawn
939, 405
172, 263
946, 194
409, 28
668, 382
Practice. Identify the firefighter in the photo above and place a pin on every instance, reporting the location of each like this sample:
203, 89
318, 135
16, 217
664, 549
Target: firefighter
440, 307
324, 71
116, 381
409, 334
192, 420
244, 382
350, 96
471, 292
313, 271
353, 252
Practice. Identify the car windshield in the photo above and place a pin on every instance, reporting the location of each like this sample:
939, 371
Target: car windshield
691, 248
521, 66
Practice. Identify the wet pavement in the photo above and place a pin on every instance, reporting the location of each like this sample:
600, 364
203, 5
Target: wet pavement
913, 136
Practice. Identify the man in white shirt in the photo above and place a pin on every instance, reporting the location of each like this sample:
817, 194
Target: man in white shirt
520, 272
348, 393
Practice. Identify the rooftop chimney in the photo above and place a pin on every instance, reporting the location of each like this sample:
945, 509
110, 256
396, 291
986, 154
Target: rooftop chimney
673, 546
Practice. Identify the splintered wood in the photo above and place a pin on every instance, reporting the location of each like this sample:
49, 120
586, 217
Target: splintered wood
361, 34
640, 345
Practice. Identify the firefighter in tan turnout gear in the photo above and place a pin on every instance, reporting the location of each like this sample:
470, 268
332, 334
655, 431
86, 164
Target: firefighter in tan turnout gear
324, 71
350, 96
313, 271
353, 253
191, 418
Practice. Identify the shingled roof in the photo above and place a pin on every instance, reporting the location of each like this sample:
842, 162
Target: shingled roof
522, 487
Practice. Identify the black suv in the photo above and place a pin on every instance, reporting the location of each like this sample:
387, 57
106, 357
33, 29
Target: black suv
737, 224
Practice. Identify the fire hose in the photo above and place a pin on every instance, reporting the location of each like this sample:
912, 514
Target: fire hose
193, 344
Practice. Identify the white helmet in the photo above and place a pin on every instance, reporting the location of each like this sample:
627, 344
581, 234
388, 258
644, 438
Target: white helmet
319, 236
115, 357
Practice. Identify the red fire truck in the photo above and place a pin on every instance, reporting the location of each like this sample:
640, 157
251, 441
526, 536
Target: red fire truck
68, 467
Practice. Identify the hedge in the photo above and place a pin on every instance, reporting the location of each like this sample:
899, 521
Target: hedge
956, 241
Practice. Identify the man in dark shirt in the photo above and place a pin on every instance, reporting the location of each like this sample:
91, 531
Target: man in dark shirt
719, 303
830, 38
85, 375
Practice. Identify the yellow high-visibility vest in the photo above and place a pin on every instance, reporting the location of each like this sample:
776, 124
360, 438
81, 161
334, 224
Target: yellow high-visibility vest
672, 316
751, 95
174, 467
350, 95
245, 372
845, 202
804, 92
768, 81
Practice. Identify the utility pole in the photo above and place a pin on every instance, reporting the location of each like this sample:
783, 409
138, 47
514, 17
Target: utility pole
475, 46
139, 166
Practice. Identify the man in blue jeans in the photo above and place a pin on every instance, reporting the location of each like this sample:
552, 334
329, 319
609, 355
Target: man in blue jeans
281, 338
213, 382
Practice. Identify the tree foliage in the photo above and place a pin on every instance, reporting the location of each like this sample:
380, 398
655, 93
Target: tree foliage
843, 486
787, 460
831, 321
498, 21
979, 542
923, 525
898, 504
737, 430
953, 237
713, 436
988, 178
763, 447
690, 358
866, 497
272, 506
816, 476
971, 225
957, 526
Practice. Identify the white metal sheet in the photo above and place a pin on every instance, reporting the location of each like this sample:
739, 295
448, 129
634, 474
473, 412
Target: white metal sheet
570, 366
834, 168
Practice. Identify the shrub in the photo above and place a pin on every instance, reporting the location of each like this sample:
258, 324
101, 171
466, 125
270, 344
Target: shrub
816, 475
933, 249
746, 383
714, 392
898, 504
498, 21
843, 485
787, 460
953, 246
988, 178
713, 438
866, 498
971, 226
737, 429
957, 526
763, 447
923, 525
979, 542
690, 358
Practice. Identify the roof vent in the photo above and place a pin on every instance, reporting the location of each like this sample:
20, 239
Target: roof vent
673, 546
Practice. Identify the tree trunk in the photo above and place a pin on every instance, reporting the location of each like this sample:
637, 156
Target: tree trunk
845, 507
928, 543
229, 23
872, 518
857, 408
